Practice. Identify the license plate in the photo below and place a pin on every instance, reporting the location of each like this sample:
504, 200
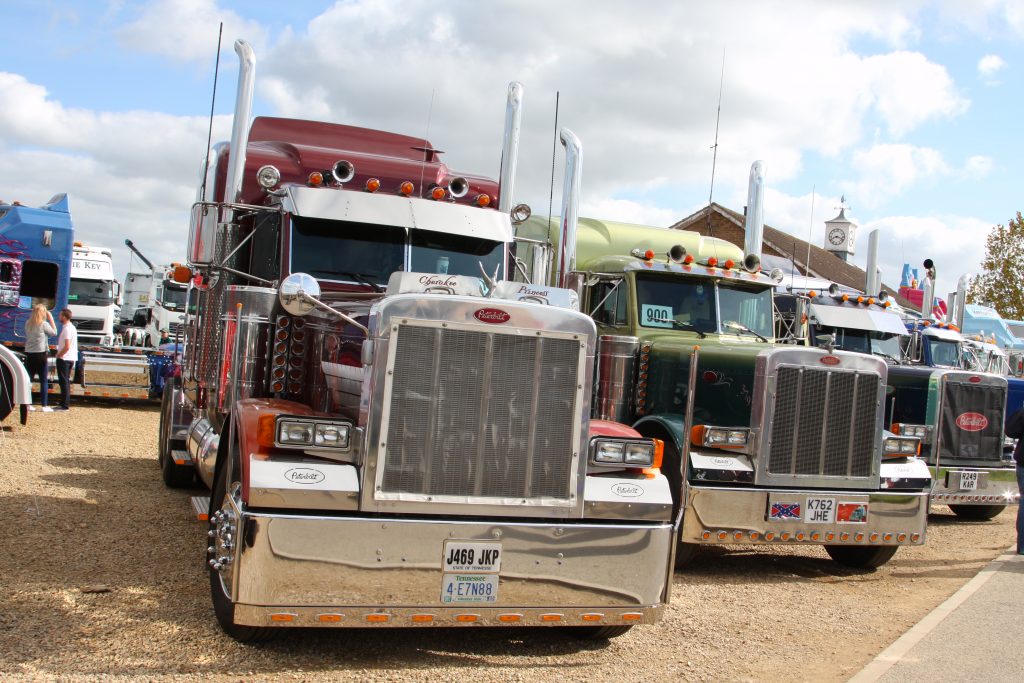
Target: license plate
469, 588
820, 511
472, 557
968, 481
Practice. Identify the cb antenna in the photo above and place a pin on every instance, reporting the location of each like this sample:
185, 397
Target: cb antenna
213, 101
554, 150
714, 147
427, 151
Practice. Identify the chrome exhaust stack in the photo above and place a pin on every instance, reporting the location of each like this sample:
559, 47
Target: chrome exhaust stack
958, 301
510, 146
570, 204
240, 124
873, 283
754, 225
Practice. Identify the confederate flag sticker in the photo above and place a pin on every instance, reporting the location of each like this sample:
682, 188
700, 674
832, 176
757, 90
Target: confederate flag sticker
784, 511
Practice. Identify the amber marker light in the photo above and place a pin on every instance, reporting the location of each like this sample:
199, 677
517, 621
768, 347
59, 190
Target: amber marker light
372, 185
329, 618
860, 299
467, 618
754, 535
422, 618
266, 427
316, 178
510, 618
722, 535
871, 300
901, 538
282, 617
632, 616
482, 200
812, 294
649, 255
591, 617
859, 537
712, 262
551, 617
845, 297
729, 263
406, 188
706, 535
377, 618
769, 536
688, 259
437, 193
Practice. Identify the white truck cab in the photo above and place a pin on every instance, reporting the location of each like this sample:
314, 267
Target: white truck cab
93, 294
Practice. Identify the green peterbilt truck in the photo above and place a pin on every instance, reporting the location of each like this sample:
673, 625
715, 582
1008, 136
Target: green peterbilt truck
787, 444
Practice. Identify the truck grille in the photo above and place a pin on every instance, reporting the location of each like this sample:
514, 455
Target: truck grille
89, 325
482, 414
971, 420
823, 423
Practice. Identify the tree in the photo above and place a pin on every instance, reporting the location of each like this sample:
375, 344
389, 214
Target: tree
1001, 281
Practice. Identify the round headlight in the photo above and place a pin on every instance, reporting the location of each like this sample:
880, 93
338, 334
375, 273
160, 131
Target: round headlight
268, 177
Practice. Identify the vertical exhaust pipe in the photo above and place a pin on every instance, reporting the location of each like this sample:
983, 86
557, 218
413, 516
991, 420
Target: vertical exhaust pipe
754, 225
240, 125
872, 283
510, 146
928, 301
570, 203
958, 301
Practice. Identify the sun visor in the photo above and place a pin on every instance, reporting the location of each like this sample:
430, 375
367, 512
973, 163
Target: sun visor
402, 212
858, 319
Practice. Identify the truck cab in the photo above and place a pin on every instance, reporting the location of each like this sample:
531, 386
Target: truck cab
93, 293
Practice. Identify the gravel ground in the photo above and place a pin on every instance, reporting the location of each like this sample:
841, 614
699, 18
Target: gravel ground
86, 511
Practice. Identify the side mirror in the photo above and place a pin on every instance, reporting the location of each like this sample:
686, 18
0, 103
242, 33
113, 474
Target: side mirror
298, 293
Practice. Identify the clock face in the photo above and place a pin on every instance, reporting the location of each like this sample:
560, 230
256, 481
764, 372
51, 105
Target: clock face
836, 236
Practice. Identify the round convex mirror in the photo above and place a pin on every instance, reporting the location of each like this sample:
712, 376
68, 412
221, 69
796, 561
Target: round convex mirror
291, 293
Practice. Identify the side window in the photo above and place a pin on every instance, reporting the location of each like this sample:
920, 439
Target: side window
8, 271
39, 280
609, 303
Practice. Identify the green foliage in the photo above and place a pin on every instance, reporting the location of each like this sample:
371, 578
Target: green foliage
1001, 282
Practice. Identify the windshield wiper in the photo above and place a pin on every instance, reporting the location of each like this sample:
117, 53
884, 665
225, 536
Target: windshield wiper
361, 279
740, 327
685, 326
883, 354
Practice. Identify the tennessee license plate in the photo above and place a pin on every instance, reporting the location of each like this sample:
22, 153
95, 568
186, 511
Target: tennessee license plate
456, 588
968, 481
820, 511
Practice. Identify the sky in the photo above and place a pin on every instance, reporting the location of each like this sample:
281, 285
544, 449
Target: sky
908, 109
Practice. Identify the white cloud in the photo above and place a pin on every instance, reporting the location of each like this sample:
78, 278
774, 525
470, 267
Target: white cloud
886, 170
186, 30
978, 166
989, 67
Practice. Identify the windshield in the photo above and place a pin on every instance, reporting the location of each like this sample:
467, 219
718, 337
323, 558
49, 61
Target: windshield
748, 306
437, 252
883, 344
91, 292
945, 353
174, 297
346, 251
676, 303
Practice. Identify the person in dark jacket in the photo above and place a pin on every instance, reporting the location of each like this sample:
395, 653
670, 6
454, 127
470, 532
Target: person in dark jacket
1015, 430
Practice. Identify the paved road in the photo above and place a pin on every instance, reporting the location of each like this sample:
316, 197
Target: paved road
976, 635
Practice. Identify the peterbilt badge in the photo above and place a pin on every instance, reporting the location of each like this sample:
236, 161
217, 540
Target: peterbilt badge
304, 475
829, 360
972, 422
494, 316
624, 490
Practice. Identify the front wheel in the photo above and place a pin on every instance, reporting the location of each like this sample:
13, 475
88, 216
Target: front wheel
861, 557
6, 392
598, 632
979, 512
223, 534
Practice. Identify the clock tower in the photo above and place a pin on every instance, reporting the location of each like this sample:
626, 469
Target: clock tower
841, 234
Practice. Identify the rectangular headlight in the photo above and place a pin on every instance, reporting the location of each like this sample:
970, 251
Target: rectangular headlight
724, 437
900, 445
294, 433
331, 435
609, 452
640, 454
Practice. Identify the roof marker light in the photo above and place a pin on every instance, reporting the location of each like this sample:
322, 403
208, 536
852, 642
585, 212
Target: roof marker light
729, 263
482, 200
437, 193
406, 188
372, 185
712, 262
649, 255
688, 259
860, 299
316, 178
845, 297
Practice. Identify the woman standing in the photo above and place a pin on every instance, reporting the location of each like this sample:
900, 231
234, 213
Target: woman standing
38, 327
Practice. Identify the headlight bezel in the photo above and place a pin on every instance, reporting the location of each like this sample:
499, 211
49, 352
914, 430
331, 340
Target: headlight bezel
901, 446
622, 453
922, 432
726, 438
316, 430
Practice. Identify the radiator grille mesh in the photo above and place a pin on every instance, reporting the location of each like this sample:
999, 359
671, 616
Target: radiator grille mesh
823, 423
481, 414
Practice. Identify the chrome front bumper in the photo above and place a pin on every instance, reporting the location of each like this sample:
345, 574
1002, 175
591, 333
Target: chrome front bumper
719, 515
292, 570
995, 486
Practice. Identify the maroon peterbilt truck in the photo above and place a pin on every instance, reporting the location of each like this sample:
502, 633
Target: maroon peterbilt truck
394, 433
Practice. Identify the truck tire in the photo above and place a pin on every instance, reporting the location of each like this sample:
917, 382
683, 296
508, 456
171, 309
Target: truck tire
597, 632
222, 605
685, 552
175, 476
861, 557
7, 393
978, 512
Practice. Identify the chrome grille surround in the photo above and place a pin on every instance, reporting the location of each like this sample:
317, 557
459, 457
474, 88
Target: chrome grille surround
820, 423
477, 418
